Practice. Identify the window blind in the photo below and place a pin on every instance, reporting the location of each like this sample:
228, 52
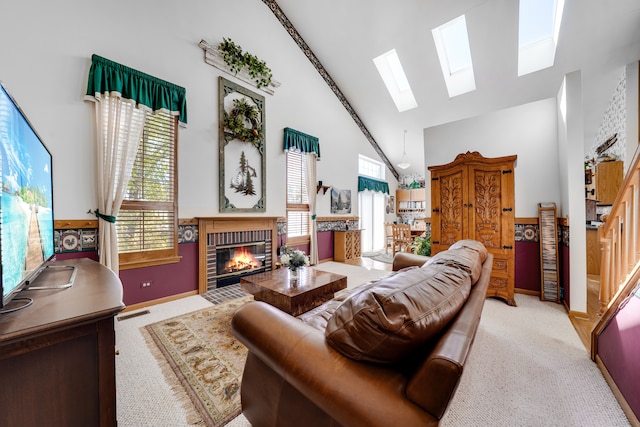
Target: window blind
297, 200
148, 217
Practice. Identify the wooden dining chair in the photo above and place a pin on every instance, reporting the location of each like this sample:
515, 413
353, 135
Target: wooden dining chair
402, 240
388, 236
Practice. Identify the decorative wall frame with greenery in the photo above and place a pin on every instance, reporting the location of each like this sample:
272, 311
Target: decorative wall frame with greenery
242, 161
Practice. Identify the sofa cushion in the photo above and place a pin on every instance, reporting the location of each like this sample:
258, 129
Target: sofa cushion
467, 259
319, 317
387, 319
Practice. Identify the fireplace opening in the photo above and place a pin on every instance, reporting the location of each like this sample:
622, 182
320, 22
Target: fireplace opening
235, 261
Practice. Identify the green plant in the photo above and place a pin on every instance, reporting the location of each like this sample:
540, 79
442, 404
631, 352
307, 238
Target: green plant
422, 245
258, 70
236, 59
241, 113
232, 55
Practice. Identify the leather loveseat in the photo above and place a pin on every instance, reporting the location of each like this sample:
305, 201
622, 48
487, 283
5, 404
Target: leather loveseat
387, 353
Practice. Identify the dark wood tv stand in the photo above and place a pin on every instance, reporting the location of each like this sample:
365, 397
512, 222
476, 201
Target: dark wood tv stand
57, 356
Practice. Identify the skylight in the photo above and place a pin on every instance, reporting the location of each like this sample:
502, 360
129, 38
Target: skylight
392, 73
538, 31
452, 44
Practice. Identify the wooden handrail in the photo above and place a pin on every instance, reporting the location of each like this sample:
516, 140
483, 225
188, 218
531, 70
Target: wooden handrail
620, 240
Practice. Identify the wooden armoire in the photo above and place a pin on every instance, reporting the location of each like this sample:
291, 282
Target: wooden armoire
473, 198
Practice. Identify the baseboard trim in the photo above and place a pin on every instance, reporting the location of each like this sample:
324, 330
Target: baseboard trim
579, 315
527, 292
158, 301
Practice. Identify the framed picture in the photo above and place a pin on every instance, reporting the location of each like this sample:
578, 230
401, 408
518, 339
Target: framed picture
340, 201
391, 204
242, 161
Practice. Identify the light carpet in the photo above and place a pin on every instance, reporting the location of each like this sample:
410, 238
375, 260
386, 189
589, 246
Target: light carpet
381, 256
356, 275
527, 367
144, 397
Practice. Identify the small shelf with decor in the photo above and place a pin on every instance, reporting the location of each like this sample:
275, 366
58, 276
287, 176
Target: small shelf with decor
253, 72
411, 201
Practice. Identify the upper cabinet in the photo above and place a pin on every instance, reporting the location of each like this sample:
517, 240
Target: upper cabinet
411, 201
608, 181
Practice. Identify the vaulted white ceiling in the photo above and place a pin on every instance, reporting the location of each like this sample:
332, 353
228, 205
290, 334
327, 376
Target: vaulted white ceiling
597, 37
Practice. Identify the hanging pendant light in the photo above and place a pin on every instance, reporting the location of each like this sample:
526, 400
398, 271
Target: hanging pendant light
404, 163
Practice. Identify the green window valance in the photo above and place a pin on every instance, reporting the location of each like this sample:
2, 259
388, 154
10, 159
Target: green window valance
372, 184
106, 76
294, 139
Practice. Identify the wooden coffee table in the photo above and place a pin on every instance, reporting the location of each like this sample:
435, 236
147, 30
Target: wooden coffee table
311, 289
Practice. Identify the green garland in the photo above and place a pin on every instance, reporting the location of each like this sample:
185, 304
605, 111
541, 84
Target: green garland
235, 120
236, 59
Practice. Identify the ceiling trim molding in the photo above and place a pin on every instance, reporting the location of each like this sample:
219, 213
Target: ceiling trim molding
273, 6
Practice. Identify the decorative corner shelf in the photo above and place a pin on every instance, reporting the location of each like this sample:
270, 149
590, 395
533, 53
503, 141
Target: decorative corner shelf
322, 188
213, 57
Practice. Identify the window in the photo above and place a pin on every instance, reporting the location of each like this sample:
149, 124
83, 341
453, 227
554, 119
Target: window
538, 33
297, 201
371, 206
148, 220
371, 168
452, 44
392, 73
372, 218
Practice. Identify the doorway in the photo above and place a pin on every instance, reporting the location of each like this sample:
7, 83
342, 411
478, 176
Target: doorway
372, 216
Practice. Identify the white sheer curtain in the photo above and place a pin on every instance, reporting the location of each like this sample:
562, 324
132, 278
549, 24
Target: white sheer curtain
119, 129
372, 217
310, 160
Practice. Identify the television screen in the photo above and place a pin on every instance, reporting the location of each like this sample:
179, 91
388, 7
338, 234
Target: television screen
26, 201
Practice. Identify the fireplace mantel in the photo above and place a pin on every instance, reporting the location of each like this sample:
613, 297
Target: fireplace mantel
229, 224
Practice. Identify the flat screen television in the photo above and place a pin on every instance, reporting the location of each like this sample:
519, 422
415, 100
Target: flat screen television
26, 201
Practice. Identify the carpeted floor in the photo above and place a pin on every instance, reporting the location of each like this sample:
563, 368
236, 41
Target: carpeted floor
527, 368
144, 397
382, 256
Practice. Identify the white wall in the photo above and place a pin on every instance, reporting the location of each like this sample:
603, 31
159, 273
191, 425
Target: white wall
631, 112
45, 51
571, 149
529, 131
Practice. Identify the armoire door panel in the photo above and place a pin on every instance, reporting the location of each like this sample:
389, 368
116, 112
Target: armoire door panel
486, 222
449, 201
451, 208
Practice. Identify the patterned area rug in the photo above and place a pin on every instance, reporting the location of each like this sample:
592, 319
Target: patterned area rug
202, 359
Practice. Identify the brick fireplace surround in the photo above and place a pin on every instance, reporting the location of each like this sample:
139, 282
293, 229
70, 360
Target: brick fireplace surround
213, 231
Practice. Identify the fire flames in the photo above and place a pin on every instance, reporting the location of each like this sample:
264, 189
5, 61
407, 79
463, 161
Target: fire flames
242, 260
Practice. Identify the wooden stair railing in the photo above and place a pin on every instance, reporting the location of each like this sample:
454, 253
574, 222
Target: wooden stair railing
620, 239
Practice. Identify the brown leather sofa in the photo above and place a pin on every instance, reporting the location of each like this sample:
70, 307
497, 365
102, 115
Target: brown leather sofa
335, 366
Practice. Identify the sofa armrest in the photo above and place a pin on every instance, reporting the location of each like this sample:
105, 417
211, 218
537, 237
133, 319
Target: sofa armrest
406, 259
435, 383
337, 385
